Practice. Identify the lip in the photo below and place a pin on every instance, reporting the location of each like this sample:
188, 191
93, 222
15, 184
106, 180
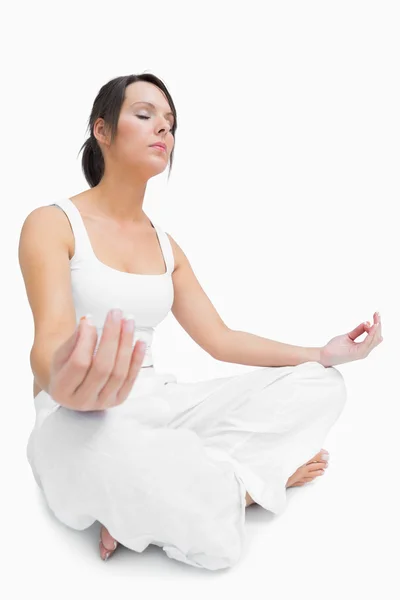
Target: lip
159, 145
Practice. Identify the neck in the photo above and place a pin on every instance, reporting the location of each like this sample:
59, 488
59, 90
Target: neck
121, 199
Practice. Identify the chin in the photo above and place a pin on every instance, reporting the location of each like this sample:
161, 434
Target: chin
152, 170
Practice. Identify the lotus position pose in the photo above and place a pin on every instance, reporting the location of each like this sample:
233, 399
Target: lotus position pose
155, 460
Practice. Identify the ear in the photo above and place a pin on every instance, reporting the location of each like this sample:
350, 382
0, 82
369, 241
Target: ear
100, 131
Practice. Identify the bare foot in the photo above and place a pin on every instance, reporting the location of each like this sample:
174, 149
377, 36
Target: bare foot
314, 468
305, 473
107, 543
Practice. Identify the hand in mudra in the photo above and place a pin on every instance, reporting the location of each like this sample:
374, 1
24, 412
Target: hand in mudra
343, 348
81, 379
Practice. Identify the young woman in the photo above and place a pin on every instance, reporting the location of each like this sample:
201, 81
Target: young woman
155, 460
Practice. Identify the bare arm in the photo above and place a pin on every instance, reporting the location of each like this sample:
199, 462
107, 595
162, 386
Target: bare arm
41, 356
249, 349
44, 262
194, 311
192, 308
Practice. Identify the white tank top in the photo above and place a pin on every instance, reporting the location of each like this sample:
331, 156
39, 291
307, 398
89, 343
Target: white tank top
97, 288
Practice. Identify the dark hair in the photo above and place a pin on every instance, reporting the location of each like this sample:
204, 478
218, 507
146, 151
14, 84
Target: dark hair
107, 105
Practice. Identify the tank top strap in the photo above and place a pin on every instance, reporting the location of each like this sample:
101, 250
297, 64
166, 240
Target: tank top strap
165, 247
83, 247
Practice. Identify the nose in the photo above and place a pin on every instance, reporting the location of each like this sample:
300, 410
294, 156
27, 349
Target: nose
165, 129
166, 126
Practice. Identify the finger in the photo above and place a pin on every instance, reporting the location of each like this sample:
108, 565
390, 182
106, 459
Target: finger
103, 361
65, 350
135, 365
359, 330
122, 363
378, 337
371, 340
379, 320
376, 318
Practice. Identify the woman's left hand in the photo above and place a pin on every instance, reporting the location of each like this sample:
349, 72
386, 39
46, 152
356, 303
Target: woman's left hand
343, 348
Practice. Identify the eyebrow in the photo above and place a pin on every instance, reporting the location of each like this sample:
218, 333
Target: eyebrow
152, 105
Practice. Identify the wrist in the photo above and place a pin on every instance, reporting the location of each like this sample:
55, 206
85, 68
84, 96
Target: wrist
315, 355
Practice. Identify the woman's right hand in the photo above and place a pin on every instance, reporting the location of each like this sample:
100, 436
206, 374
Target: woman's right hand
84, 381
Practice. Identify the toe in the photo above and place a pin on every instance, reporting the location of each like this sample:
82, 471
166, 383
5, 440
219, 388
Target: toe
104, 553
316, 466
313, 475
317, 473
107, 543
322, 455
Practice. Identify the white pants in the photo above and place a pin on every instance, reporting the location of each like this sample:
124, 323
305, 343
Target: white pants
171, 465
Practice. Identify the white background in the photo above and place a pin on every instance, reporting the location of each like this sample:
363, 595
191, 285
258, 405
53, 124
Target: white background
283, 195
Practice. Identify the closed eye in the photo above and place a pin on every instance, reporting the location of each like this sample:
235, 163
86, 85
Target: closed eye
144, 117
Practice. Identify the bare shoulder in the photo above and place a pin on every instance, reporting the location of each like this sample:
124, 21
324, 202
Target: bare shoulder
43, 223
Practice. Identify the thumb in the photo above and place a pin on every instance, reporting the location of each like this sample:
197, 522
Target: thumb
359, 330
66, 348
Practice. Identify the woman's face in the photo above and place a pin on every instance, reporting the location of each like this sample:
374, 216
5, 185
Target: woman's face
139, 126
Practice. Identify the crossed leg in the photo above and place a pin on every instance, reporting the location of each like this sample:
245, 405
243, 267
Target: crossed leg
307, 472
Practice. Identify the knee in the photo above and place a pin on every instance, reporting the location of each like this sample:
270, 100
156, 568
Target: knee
337, 385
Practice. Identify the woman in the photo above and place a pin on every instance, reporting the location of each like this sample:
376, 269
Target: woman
154, 460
